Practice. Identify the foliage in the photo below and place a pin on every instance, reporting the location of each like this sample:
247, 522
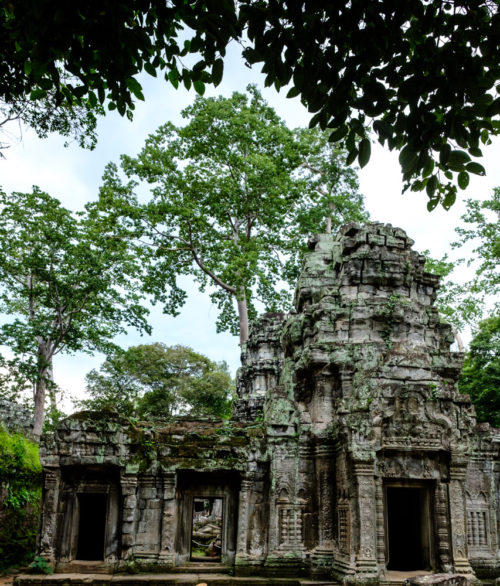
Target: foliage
66, 285
234, 195
481, 371
77, 123
483, 232
465, 303
20, 484
40, 566
426, 87
18, 457
158, 381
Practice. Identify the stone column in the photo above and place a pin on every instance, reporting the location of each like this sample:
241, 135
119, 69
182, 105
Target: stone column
322, 556
129, 519
243, 509
366, 562
458, 520
442, 525
51, 489
168, 525
379, 496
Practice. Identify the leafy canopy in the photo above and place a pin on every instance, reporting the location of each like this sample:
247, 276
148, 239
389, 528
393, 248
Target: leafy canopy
234, 195
481, 371
422, 74
158, 381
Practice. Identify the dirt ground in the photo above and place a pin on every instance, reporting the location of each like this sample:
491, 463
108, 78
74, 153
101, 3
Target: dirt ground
6, 580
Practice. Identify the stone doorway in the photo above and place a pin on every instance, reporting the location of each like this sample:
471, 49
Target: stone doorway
409, 527
91, 526
206, 532
207, 494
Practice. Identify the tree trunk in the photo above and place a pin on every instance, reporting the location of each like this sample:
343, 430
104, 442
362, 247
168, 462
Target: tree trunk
243, 315
44, 365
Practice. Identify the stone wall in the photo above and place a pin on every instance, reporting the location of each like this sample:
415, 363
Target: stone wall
15, 417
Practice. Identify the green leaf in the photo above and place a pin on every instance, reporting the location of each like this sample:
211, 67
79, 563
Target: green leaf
475, 168
432, 203
135, 87
173, 77
149, 68
199, 87
217, 71
37, 94
339, 133
92, 99
351, 157
293, 92
430, 188
458, 158
364, 152
476, 152
463, 179
449, 198
27, 67
407, 159
444, 154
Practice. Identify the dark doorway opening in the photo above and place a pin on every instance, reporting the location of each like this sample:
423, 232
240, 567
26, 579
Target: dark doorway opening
206, 529
91, 526
409, 528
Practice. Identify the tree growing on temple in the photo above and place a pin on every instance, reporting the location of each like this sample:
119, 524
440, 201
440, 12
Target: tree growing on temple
65, 286
159, 381
234, 196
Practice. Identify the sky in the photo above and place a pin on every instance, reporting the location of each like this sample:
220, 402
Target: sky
73, 175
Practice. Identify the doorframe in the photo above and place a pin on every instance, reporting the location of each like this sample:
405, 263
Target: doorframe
427, 492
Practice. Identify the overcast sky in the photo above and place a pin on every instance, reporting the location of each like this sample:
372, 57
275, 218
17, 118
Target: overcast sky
74, 175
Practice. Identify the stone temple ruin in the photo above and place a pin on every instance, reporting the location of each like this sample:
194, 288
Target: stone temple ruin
350, 452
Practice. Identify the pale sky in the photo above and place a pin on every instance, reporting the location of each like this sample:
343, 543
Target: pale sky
74, 175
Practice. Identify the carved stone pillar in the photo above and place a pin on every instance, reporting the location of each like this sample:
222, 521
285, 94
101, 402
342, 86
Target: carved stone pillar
380, 527
51, 488
366, 562
442, 525
168, 519
458, 520
129, 519
243, 509
322, 556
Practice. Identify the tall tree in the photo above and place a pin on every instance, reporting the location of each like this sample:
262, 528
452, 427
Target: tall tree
158, 381
481, 372
64, 283
234, 195
426, 87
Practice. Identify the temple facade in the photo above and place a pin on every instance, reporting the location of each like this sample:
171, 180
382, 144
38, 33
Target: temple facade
350, 452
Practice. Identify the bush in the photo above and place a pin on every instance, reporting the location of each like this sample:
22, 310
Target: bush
20, 499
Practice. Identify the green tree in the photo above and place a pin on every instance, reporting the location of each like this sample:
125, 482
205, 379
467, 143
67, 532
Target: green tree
65, 285
464, 304
482, 231
428, 87
234, 195
158, 381
481, 372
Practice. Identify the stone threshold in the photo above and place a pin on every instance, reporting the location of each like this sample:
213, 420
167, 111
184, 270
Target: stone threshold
184, 579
